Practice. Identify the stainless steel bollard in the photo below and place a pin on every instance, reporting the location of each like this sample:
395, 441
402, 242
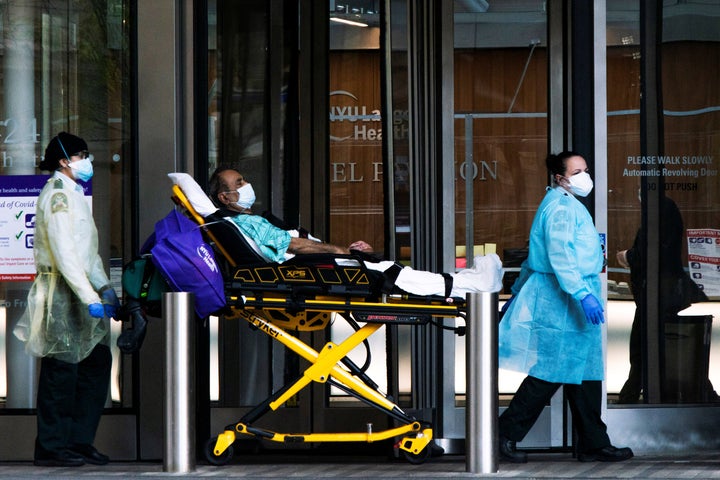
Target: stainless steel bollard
179, 318
481, 409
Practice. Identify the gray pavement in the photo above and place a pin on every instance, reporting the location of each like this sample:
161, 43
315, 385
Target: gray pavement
703, 465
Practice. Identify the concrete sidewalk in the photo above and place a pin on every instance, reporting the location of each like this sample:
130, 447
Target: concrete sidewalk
273, 466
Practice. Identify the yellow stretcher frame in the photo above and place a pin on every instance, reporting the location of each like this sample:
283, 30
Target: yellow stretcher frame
329, 365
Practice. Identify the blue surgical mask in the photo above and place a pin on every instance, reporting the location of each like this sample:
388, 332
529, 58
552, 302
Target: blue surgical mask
82, 169
246, 196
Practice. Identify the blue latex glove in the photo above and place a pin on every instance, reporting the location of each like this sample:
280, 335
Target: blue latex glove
110, 302
96, 310
593, 310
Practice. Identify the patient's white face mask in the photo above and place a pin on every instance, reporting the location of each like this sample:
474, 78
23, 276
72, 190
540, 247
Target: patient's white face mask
246, 196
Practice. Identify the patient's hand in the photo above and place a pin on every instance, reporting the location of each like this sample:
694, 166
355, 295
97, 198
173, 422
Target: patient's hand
361, 246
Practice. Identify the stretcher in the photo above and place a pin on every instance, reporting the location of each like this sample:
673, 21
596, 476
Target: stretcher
304, 294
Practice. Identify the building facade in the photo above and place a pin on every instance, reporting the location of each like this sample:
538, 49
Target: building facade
420, 127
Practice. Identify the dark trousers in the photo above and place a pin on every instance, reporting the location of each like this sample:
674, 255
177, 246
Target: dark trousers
70, 400
630, 391
585, 404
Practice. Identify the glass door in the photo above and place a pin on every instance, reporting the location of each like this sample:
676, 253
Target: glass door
663, 202
501, 142
65, 67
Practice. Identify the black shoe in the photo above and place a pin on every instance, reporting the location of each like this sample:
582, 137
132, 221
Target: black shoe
606, 454
628, 398
90, 454
58, 459
509, 453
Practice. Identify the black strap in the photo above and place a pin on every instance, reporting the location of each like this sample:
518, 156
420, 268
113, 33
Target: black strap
448, 283
390, 276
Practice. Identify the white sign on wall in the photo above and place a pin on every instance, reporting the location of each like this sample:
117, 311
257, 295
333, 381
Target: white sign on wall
18, 200
704, 259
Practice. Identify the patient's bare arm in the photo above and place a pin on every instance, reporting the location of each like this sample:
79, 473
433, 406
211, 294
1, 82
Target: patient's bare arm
304, 245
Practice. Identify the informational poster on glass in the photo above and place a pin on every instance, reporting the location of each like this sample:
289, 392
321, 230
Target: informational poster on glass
18, 200
704, 259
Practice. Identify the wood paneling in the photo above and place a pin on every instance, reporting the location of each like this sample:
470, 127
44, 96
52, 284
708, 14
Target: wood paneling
509, 151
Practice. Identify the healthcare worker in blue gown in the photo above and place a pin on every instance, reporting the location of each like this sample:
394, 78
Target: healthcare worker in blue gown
552, 325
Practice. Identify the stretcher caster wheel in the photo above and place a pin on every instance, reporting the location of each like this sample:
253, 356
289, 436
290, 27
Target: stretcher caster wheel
221, 459
417, 458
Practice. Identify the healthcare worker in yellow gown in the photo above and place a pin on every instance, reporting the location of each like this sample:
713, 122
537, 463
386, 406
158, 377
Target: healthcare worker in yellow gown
69, 304
551, 328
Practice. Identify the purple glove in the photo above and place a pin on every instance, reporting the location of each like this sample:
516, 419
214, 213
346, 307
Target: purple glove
96, 310
593, 310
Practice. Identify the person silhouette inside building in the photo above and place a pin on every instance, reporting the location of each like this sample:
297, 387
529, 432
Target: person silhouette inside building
677, 291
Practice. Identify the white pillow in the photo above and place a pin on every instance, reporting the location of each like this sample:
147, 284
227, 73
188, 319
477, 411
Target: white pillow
195, 195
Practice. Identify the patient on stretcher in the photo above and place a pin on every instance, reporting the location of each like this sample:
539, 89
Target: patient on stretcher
234, 195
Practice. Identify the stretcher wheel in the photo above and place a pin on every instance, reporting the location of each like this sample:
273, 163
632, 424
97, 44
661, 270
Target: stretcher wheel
221, 459
417, 458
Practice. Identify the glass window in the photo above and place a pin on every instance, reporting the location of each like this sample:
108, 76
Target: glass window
237, 136
356, 148
237, 80
501, 142
65, 67
356, 173
676, 192
623, 105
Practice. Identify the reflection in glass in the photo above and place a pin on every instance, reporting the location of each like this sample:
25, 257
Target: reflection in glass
683, 181
501, 93
65, 66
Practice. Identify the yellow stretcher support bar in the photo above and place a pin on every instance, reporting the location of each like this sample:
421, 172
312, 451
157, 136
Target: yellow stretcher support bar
337, 371
341, 305
368, 437
325, 364
180, 195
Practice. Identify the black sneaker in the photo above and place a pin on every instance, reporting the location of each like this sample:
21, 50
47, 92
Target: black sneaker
90, 454
509, 453
58, 459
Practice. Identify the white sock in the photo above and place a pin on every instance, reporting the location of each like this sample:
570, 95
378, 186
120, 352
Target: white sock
484, 276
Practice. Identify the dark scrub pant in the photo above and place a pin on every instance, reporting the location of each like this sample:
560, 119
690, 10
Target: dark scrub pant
630, 391
70, 401
585, 404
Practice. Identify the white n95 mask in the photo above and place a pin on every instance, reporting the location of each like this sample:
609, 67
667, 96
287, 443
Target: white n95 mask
246, 196
581, 184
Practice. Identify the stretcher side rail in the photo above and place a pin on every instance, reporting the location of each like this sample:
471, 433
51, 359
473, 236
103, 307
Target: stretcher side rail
360, 309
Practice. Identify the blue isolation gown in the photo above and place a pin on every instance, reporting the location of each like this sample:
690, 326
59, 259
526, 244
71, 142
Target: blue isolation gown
544, 332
